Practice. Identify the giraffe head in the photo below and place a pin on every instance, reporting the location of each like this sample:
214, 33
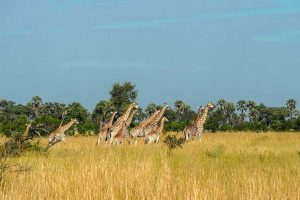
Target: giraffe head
134, 112
166, 105
200, 108
165, 119
135, 105
28, 125
137, 112
113, 112
210, 105
75, 121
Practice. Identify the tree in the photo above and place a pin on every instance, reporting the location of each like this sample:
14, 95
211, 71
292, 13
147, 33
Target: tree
170, 114
77, 111
220, 116
102, 111
182, 109
253, 112
151, 108
35, 105
122, 95
12, 117
221, 103
140, 116
54, 109
291, 106
7, 110
229, 111
242, 107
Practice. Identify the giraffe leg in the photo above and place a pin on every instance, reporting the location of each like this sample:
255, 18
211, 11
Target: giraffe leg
150, 140
63, 140
146, 140
99, 140
111, 141
200, 137
157, 139
186, 135
200, 134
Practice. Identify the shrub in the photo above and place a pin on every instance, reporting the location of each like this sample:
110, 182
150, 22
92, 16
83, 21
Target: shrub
172, 142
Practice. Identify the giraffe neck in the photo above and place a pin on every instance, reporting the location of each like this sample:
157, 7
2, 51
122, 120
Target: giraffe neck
27, 129
150, 119
130, 118
160, 114
161, 125
202, 118
200, 111
66, 127
110, 123
125, 116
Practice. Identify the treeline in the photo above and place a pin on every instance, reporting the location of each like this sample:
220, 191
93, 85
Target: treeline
250, 116
226, 116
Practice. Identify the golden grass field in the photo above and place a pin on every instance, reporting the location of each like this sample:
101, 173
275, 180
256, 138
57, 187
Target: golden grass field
221, 166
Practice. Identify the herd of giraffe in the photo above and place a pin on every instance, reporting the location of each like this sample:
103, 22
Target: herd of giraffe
150, 129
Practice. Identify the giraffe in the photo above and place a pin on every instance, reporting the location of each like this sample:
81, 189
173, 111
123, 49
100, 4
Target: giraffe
28, 126
191, 131
123, 133
149, 124
59, 134
196, 128
154, 123
119, 123
139, 130
203, 118
154, 135
104, 129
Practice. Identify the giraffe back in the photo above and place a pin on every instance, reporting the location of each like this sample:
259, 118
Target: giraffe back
148, 120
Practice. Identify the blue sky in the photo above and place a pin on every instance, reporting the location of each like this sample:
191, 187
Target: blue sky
196, 50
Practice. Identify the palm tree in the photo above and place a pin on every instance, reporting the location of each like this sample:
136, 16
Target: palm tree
229, 112
242, 107
222, 104
181, 109
253, 112
291, 106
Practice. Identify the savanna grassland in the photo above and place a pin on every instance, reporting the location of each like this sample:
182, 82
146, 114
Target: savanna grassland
221, 166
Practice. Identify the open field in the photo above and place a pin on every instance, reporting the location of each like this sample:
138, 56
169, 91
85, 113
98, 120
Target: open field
221, 166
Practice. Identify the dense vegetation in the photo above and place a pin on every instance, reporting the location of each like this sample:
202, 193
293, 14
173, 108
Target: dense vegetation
226, 116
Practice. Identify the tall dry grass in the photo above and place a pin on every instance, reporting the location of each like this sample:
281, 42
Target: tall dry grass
221, 166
